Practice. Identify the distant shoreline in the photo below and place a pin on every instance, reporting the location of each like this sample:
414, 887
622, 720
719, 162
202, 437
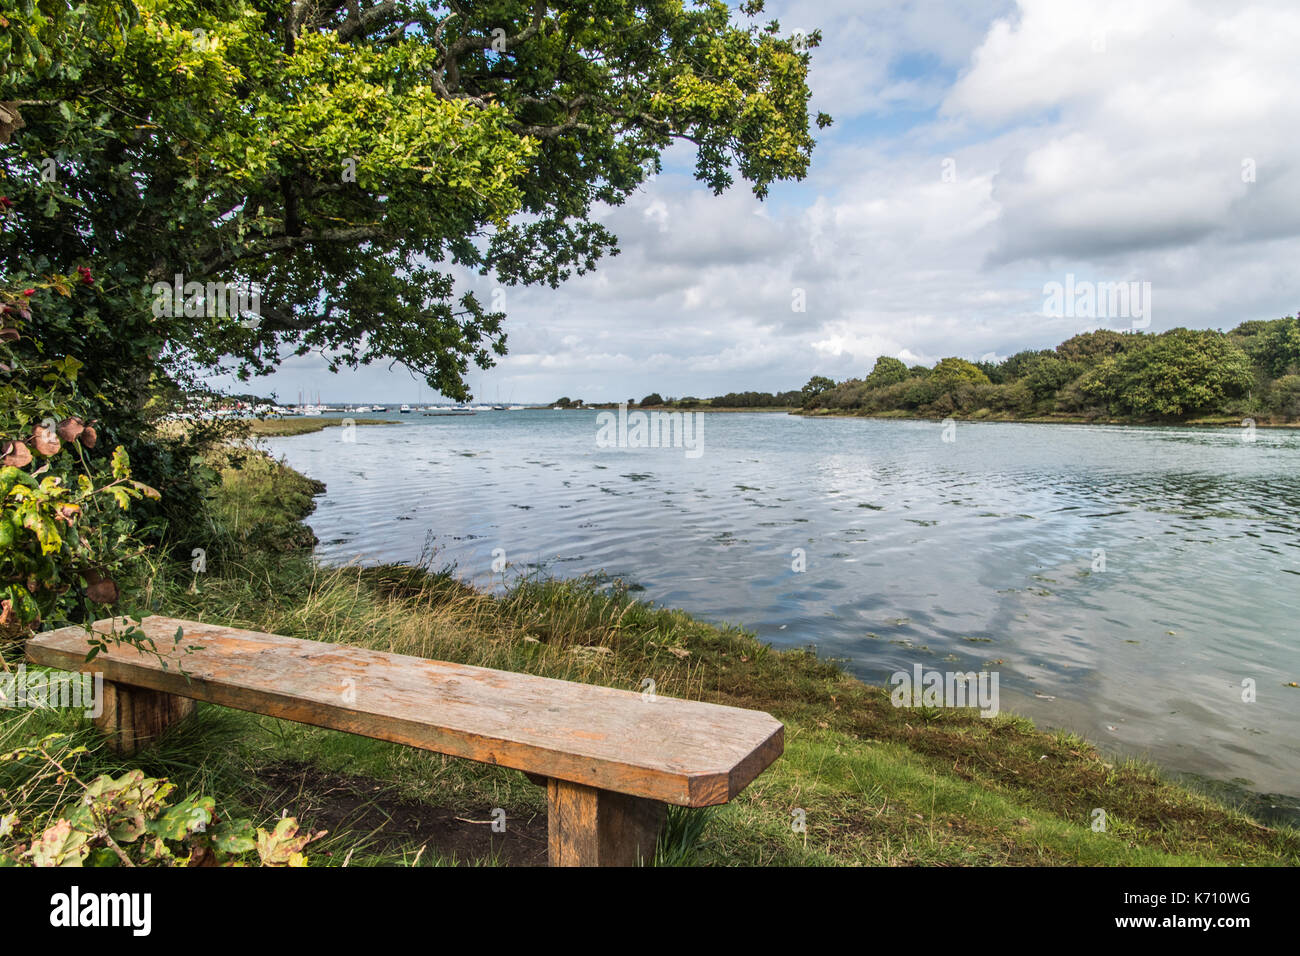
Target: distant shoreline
281, 427
766, 409
1056, 420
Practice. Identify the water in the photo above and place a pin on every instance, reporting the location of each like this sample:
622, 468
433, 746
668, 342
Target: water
977, 554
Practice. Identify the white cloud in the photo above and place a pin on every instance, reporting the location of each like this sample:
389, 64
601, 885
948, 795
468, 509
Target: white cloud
1139, 146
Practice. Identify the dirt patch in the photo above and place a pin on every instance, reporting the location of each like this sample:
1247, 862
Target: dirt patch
384, 822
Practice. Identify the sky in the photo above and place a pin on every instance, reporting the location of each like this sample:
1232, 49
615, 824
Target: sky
980, 152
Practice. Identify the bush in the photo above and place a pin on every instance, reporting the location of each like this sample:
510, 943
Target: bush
66, 538
1284, 397
1047, 375
845, 396
1013, 397
1090, 348
1072, 398
1276, 347
1018, 365
887, 371
950, 372
1176, 373
128, 820
918, 392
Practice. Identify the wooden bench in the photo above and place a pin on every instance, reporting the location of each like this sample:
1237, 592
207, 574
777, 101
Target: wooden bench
611, 759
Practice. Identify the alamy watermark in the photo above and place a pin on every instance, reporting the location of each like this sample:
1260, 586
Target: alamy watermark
75, 908
922, 688
1098, 300
651, 430
41, 691
227, 300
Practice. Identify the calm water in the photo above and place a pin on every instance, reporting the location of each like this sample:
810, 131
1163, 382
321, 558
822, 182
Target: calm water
973, 554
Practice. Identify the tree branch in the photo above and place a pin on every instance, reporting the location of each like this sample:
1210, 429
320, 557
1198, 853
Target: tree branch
364, 22
214, 261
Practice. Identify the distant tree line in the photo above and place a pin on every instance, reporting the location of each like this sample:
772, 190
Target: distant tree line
792, 399
1252, 371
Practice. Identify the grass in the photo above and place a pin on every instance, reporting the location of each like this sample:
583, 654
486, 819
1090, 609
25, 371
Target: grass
870, 784
266, 514
275, 427
702, 408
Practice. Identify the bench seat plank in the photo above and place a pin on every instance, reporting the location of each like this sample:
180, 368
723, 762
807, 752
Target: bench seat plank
682, 752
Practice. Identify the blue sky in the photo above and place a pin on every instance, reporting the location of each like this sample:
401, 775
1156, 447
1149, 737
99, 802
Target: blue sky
980, 150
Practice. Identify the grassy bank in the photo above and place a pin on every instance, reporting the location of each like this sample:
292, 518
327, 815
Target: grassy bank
268, 427
876, 785
787, 409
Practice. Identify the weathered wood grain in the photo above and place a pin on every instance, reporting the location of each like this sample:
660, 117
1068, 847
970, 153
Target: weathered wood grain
676, 751
134, 716
590, 827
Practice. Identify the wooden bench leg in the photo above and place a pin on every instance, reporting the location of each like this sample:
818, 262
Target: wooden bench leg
591, 827
133, 716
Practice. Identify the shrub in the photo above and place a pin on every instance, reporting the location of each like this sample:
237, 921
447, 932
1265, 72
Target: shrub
951, 372
887, 371
1276, 347
846, 395
66, 538
1018, 365
1014, 397
1175, 373
128, 820
1092, 347
1284, 397
918, 392
1047, 375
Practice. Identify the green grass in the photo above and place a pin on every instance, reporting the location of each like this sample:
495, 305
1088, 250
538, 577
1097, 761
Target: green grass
874, 785
266, 515
266, 427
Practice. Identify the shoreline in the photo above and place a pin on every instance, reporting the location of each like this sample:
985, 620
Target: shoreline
761, 409
1069, 420
288, 427
900, 416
